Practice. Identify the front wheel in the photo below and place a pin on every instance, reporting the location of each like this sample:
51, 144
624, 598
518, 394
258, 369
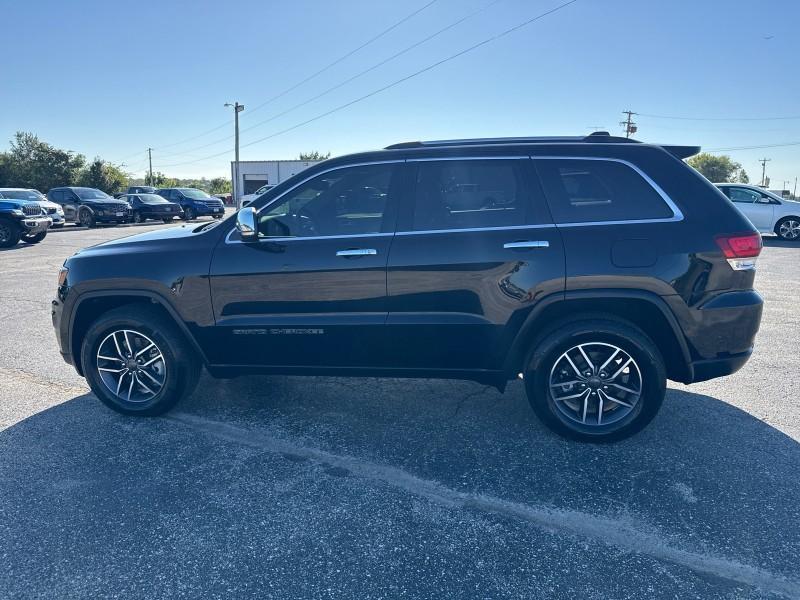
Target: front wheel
167, 221
189, 213
9, 234
86, 219
788, 229
596, 380
35, 238
137, 361
137, 217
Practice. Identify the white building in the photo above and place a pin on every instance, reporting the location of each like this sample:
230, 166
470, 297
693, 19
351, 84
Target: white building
255, 173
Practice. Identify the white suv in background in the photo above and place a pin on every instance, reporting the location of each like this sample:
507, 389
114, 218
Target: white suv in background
767, 211
248, 198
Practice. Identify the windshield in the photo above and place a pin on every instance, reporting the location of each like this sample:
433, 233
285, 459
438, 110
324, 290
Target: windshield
152, 199
91, 194
194, 194
21, 195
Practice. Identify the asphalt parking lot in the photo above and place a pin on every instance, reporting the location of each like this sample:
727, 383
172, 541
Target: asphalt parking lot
287, 487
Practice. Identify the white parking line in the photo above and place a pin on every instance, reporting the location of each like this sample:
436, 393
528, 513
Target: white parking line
625, 535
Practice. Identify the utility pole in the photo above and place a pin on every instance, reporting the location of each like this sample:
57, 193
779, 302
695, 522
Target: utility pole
794, 193
630, 126
764, 162
237, 108
150, 158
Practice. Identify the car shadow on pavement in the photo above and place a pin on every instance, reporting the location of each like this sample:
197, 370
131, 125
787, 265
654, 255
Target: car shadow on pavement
776, 242
89, 497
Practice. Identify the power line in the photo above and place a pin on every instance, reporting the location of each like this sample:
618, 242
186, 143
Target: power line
348, 55
396, 82
788, 118
757, 147
375, 66
307, 79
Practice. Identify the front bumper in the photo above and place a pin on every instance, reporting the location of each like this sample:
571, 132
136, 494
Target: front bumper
35, 225
208, 211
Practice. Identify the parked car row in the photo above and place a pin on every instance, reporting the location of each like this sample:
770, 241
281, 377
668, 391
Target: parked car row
27, 214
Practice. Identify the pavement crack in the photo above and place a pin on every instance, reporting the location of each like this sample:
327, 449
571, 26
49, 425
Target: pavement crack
620, 533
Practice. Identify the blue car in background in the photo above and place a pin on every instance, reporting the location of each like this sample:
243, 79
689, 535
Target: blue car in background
195, 203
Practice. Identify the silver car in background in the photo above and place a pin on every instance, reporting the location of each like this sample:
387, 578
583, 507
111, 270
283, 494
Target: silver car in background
768, 212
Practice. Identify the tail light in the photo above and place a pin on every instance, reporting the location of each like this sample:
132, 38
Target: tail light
741, 250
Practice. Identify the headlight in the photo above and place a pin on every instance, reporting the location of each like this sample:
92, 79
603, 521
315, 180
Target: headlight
99, 212
17, 212
60, 211
62, 276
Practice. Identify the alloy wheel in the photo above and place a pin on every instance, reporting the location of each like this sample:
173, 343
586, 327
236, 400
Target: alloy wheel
131, 366
595, 384
789, 229
5, 233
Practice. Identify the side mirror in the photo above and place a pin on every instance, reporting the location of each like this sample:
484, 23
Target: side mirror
764, 200
246, 224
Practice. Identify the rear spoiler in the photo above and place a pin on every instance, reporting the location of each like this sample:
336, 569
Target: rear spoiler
682, 152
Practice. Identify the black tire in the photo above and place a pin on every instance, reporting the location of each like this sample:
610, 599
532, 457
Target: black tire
788, 231
189, 213
9, 233
35, 238
181, 365
137, 217
541, 363
167, 221
86, 218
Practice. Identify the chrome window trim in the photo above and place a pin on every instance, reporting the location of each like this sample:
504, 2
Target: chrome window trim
677, 215
228, 239
474, 229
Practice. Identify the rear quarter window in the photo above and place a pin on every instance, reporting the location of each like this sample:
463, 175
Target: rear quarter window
596, 191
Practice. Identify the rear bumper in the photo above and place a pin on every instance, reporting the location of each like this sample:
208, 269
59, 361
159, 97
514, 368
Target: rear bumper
721, 334
703, 370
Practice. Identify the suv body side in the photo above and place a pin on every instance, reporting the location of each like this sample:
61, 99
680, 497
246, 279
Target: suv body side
406, 298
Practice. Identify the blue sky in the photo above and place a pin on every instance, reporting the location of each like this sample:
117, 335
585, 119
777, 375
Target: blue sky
112, 78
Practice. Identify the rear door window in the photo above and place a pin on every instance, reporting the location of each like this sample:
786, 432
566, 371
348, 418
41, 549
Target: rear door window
589, 191
468, 194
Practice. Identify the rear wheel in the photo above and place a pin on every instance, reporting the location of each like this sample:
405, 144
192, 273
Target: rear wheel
137, 362
788, 228
189, 213
35, 238
9, 233
596, 380
137, 217
169, 220
86, 218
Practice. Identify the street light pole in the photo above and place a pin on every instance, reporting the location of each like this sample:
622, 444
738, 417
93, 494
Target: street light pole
237, 108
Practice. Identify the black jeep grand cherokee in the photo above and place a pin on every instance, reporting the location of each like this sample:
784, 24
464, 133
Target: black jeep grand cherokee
595, 268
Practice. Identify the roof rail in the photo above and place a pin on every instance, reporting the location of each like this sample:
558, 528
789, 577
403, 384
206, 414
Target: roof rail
596, 137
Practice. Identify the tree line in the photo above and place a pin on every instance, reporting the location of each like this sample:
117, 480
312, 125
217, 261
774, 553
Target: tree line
33, 163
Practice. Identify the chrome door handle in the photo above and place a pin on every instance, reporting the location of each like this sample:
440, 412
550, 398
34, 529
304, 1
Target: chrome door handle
357, 252
528, 244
